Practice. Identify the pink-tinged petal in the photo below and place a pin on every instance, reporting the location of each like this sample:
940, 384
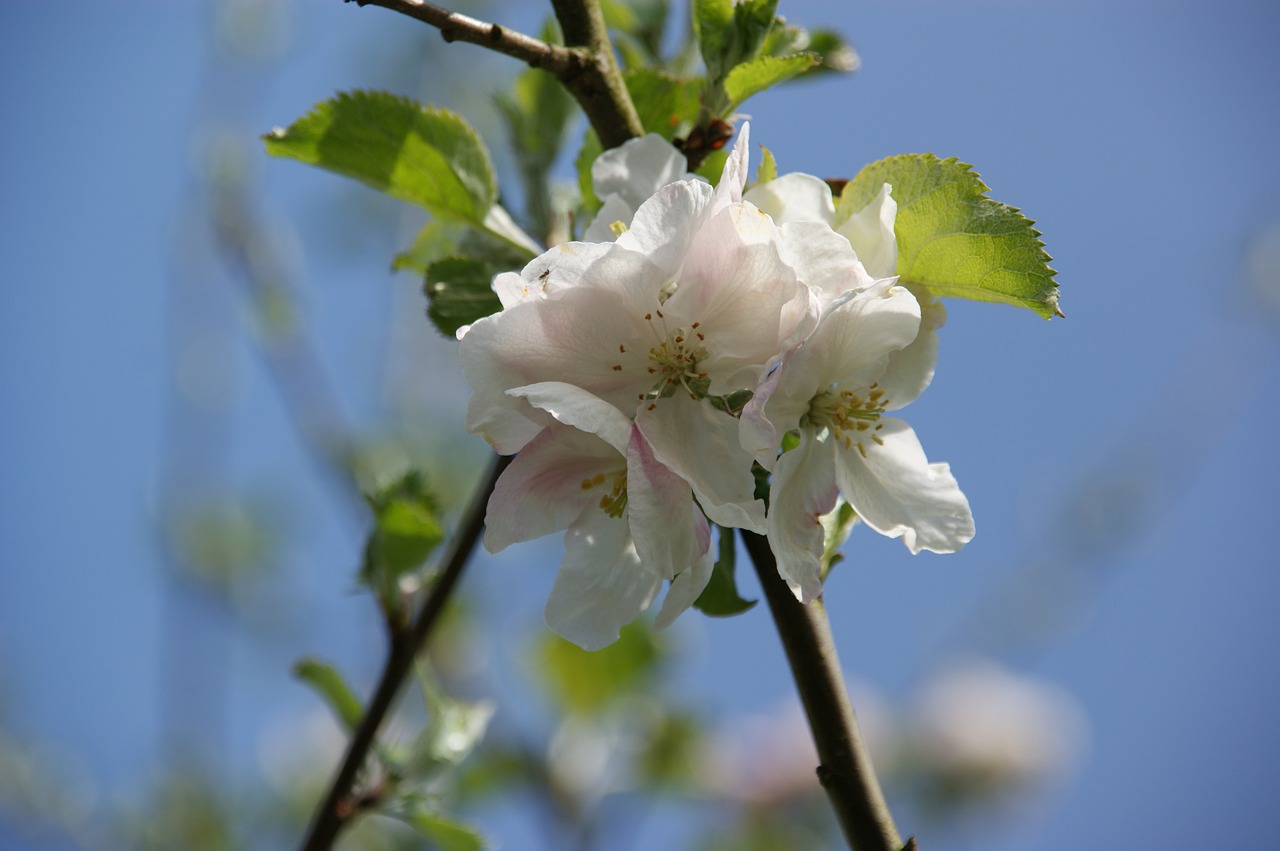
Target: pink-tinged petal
911, 369
637, 168
823, 260
573, 406
897, 492
760, 436
667, 527
684, 589
870, 231
584, 336
744, 296
795, 198
803, 490
703, 446
602, 584
664, 226
541, 491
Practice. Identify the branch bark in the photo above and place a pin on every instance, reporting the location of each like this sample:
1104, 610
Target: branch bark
586, 66
845, 770
341, 802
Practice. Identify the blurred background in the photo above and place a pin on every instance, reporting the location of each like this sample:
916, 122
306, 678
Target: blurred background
186, 327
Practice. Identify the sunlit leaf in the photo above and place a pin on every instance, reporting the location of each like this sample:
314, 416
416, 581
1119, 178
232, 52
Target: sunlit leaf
763, 72
954, 241
424, 155
585, 681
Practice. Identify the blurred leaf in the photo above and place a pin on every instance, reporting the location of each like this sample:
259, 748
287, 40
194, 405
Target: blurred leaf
643, 22
453, 729
329, 684
443, 833
437, 239
763, 72
954, 241
423, 155
833, 51
223, 541
713, 165
720, 598
585, 682
406, 531
713, 26
671, 751
460, 291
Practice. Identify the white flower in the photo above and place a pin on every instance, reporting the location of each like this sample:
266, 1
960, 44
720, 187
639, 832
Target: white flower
694, 301
631, 523
834, 391
625, 176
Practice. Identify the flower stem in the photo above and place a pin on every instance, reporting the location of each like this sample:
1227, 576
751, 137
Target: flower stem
341, 803
845, 769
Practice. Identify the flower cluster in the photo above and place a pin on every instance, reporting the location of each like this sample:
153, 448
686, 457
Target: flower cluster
638, 375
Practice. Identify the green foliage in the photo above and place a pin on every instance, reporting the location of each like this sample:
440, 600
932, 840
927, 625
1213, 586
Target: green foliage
443, 833
637, 29
460, 292
768, 169
406, 531
583, 681
330, 685
720, 598
730, 33
833, 52
454, 727
426, 156
954, 241
764, 72
836, 526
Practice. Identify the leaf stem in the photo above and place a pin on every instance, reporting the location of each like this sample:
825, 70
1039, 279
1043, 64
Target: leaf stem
845, 770
341, 802
586, 66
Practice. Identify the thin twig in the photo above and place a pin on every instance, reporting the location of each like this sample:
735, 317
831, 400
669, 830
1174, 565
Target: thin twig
340, 804
845, 770
586, 66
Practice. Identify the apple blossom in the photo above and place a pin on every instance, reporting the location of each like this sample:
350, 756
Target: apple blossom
625, 176
833, 391
630, 522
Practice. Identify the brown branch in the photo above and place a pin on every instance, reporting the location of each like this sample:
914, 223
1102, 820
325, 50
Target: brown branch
586, 67
845, 770
342, 802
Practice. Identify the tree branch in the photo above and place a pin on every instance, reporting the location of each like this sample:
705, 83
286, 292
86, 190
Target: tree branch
586, 67
845, 770
341, 802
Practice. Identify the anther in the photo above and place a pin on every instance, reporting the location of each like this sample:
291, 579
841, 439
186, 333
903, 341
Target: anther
617, 367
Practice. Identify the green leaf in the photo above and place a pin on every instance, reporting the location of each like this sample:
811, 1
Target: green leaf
329, 684
713, 25
444, 833
460, 292
763, 72
436, 240
954, 241
423, 155
720, 598
406, 531
768, 169
584, 681
833, 51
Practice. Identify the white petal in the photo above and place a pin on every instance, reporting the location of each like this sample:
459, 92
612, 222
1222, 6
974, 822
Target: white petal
733, 179
670, 532
499, 221
541, 491
758, 434
614, 209
703, 446
795, 198
823, 260
870, 231
803, 490
911, 369
684, 589
601, 586
664, 226
576, 407
897, 492
637, 168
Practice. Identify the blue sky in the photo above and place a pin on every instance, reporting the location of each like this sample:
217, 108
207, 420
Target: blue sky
1124, 458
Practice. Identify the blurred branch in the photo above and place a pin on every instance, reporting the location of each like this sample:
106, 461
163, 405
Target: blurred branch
342, 802
845, 770
586, 66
